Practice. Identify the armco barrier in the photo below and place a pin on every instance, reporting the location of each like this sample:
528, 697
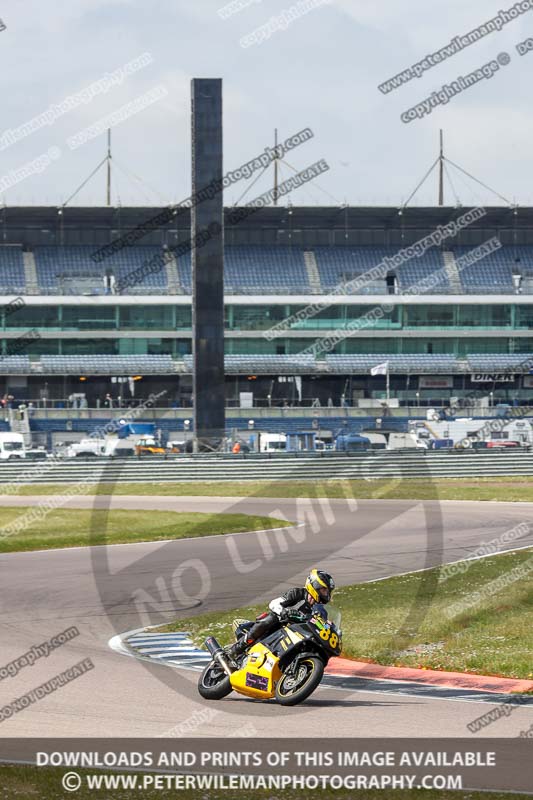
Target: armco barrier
305, 466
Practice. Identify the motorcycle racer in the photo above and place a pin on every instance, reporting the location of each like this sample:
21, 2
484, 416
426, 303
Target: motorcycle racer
296, 604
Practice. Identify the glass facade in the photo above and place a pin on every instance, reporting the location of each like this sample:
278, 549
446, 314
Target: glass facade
152, 329
257, 318
108, 317
178, 347
99, 346
254, 318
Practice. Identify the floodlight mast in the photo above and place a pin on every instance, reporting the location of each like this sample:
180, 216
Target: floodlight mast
207, 237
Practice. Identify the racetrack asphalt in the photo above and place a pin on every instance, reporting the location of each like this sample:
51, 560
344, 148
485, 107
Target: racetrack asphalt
108, 590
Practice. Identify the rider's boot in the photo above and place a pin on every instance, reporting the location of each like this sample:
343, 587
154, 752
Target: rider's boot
240, 647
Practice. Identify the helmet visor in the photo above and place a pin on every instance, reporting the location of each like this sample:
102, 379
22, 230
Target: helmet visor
324, 593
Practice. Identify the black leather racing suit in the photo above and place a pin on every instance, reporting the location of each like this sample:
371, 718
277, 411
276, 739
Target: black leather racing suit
295, 599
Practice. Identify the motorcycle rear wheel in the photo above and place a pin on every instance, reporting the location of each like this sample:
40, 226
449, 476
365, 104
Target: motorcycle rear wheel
291, 691
214, 684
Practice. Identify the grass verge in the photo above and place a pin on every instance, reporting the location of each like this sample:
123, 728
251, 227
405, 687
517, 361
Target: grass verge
80, 527
43, 783
511, 489
492, 635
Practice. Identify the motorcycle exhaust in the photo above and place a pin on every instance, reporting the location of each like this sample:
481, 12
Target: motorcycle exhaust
218, 654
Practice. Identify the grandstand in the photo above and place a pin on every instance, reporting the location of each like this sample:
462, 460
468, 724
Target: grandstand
495, 272
12, 280
270, 269
106, 365
55, 264
99, 323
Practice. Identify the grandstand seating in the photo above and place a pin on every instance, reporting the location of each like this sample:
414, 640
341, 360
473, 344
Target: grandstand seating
417, 270
493, 273
499, 362
397, 363
12, 279
335, 264
14, 365
53, 262
107, 365
265, 364
185, 273
254, 269
416, 363
277, 269
293, 364
257, 270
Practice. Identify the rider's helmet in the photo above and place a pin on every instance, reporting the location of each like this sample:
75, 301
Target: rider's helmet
320, 585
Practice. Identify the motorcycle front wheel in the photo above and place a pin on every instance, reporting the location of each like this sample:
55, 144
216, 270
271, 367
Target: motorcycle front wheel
294, 689
214, 683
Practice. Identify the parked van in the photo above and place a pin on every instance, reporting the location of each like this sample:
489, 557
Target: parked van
12, 446
272, 442
352, 442
91, 446
378, 441
404, 441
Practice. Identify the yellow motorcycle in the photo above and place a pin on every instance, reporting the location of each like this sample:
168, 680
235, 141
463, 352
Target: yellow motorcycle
286, 664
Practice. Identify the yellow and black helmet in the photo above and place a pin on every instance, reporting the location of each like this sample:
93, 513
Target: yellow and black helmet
320, 585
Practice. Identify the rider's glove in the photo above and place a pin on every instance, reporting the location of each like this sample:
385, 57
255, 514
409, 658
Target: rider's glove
297, 616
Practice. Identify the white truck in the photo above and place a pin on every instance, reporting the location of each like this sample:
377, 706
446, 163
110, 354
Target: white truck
393, 440
12, 446
403, 441
466, 431
109, 446
272, 442
91, 446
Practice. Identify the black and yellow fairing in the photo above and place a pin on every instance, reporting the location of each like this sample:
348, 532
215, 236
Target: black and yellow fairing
261, 669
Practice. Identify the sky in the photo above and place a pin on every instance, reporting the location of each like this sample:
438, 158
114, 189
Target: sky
321, 70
